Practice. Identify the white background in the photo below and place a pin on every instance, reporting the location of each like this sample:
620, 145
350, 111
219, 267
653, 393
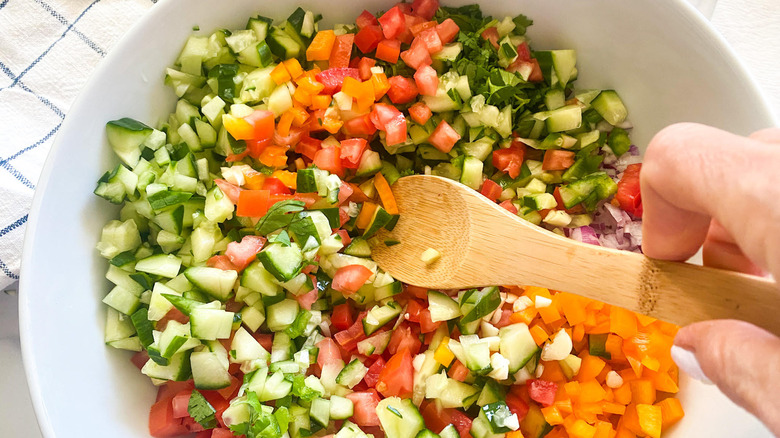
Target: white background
752, 27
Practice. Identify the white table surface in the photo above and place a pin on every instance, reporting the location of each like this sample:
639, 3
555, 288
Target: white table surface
752, 27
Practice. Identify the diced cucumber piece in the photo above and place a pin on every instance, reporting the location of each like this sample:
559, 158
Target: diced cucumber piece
178, 368
370, 163
246, 348
257, 278
118, 326
517, 345
449, 431
164, 265
478, 303
450, 392
352, 374
216, 282
442, 307
375, 344
281, 315
211, 324
122, 300
358, 247
534, 425
388, 290
471, 172
118, 237
208, 371
341, 408
378, 316
283, 262
492, 392
275, 387
381, 218
399, 418
320, 411
609, 105
427, 368
564, 119
126, 136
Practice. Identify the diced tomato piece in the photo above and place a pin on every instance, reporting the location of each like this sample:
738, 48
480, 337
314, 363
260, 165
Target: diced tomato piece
461, 422
397, 377
413, 309
505, 315
162, 423
173, 315
542, 391
410, 21
406, 8
342, 317
508, 206
402, 89
427, 81
388, 50
372, 376
491, 34
426, 323
389, 119
359, 126
264, 339
392, 22
417, 55
241, 254
352, 193
431, 40
308, 147
425, 8
252, 203
364, 66
342, 51
307, 299
332, 78
416, 291
491, 190
556, 159
458, 371
523, 52
536, 72
290, 139
140, 358
221, 433
444, 137
263, 123
180, 402
276, 187
228, 189
420, 113
404, 337
221, 262
628, 194
255, 147
365, 19
368, 37
348, 279
510, 160
329, 159
447, 30
204, 433
351, 151
365, 407
517, 405
329, 352
345, 239
419, 27
230, 391
349, 338
171, 388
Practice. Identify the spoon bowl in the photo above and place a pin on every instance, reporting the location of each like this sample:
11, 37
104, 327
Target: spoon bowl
482, 244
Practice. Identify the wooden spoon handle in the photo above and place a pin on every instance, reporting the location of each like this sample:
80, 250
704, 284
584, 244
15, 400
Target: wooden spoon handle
681, 293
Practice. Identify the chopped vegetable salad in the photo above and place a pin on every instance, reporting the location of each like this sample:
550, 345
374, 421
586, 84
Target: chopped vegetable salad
241, 258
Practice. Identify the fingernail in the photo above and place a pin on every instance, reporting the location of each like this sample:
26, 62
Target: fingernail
687, 362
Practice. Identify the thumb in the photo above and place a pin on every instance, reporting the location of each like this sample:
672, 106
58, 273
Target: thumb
743, 360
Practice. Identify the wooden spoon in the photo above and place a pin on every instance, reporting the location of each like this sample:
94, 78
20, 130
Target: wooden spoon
482, 244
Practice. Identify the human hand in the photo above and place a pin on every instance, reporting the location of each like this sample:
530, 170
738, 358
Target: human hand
703, 187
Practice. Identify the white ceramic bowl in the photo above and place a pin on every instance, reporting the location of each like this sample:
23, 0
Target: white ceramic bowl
664, 59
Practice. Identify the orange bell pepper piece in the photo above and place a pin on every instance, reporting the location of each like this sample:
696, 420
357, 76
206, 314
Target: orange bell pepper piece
650, 421
671, 412
320, 101
385, 194
285, 122
365, 215
274, 156
239, 128
321, 46
289, 179
252, 203
280, 74
293, 68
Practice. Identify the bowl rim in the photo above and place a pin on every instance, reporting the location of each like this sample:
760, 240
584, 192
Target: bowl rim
125, 42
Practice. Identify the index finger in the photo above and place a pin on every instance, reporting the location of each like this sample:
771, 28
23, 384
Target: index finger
693, 173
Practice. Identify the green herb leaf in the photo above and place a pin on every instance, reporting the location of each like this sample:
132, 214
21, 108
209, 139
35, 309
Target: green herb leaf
278, 217
123, 258
201, 410
283, 238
